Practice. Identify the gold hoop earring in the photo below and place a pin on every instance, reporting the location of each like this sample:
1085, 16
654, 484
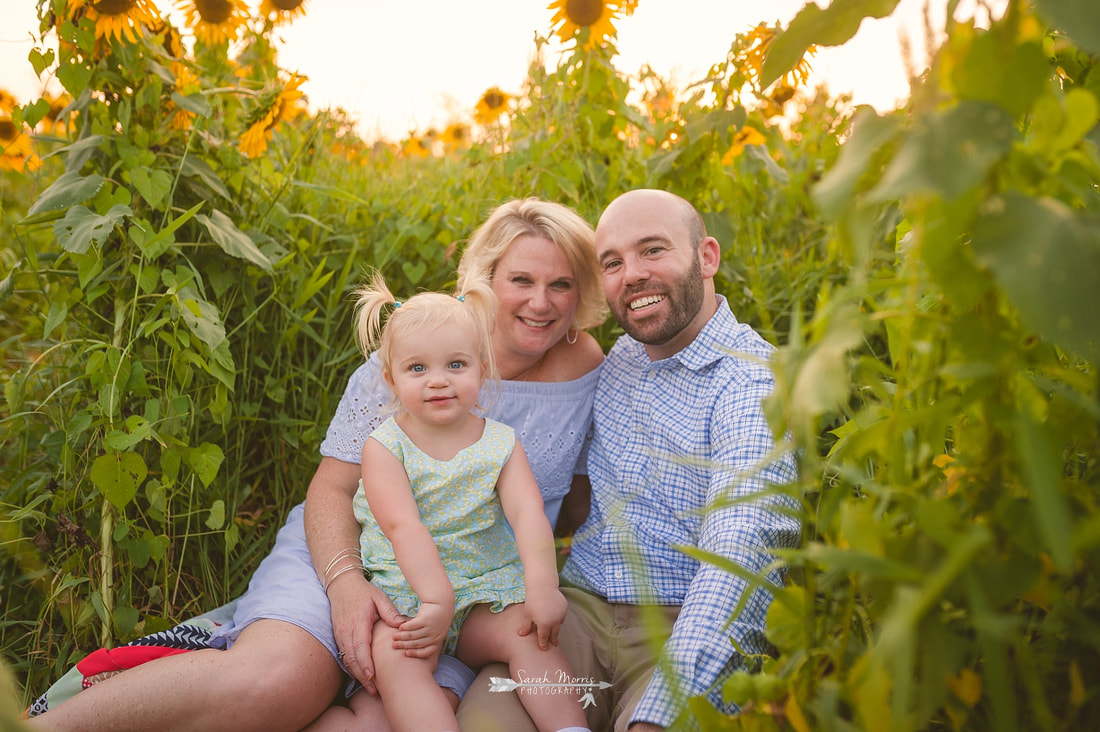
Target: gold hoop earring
576, 333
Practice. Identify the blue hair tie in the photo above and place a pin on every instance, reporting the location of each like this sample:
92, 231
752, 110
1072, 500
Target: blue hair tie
397, 303
460, 298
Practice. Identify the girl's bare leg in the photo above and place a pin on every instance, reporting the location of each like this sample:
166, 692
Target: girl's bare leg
488, 637
414, 702
276, 676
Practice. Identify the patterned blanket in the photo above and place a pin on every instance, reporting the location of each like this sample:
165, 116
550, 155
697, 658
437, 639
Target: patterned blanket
190, 635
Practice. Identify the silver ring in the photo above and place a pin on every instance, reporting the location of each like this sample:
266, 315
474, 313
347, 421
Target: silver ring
340, 656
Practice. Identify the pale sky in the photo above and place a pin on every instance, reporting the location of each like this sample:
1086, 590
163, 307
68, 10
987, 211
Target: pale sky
399, 67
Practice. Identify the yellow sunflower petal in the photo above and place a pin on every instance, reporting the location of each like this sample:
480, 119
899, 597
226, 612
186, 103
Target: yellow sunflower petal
214, 22
283, 11
595, 15
119, 19
492, 104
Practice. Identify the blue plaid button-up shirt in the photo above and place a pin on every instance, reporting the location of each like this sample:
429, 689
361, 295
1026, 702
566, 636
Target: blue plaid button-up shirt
672, 438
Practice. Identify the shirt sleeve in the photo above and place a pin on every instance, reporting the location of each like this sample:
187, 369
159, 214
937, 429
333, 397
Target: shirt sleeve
700, 655
365, 404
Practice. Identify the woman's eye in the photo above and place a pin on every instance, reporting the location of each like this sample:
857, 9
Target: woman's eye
562, 286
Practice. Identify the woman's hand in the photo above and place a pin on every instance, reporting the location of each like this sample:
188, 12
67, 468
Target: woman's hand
546, 608
423, 636
356, 605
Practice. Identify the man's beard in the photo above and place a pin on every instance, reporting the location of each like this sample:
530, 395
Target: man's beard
685, 298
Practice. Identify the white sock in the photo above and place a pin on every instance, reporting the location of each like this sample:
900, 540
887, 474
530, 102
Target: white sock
574, 729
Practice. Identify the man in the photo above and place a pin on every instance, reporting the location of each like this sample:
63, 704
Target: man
681, 456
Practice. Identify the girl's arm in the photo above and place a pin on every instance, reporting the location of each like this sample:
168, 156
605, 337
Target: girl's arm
386, 485
523, 507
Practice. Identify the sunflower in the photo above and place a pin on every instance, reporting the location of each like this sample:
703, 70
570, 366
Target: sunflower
755, 49
53, 121
744, 136
491, 105
119, 18
456, 136
186, 83
274, 109
214, 21
15, 147
7, 101
285, 11
417, 146
595, 15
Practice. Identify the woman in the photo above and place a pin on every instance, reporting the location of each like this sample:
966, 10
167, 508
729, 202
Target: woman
281, 669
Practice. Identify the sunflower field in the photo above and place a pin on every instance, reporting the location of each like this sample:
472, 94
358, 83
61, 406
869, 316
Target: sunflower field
181, 234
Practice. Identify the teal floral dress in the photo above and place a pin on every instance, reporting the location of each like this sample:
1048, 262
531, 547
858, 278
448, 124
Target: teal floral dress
459, 506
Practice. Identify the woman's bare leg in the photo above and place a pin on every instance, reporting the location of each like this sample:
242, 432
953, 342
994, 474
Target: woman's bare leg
276, 676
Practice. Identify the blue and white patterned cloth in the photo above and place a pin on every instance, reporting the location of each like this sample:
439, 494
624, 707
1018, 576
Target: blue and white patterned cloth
675, 440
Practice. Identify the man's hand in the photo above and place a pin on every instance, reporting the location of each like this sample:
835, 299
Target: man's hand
423, 635
356, 605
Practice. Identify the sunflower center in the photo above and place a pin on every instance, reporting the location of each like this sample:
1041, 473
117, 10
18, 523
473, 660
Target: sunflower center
113, 7
494, 99
214, 11
584, 12
8, 130
287, 4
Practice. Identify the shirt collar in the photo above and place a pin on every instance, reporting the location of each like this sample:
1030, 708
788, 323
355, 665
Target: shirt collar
708, 347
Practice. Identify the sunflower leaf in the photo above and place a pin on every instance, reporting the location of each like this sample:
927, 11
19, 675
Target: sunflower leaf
69, 189
232, 240
81, 226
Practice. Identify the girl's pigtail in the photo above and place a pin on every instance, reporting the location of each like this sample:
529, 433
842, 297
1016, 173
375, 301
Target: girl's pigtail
370, 299
482, 301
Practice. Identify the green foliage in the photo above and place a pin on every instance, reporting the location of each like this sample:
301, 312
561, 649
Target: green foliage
176, 333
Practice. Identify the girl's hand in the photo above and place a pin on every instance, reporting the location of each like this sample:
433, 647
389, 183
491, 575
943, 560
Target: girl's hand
546, 608
423, 635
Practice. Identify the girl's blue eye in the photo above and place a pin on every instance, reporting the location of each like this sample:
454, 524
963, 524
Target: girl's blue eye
457, 364
416, 368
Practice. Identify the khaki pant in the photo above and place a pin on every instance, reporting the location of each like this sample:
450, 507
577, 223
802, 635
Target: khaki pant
603, 641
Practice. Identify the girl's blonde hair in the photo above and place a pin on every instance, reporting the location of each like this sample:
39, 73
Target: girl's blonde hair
544, 220
472, 307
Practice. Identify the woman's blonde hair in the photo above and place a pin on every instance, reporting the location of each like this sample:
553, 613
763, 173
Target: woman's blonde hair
544, 220
472, 307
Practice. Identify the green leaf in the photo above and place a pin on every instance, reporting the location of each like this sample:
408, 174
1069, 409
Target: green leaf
1013, 82
1078, 18
152, 184
80, 227
205, 460
154, 246
117, 476
948, 153
73, 74
196, 167
414, 271
1046, 258
33, 113
232, 240
194, 103
1041, 466
40, 61
201, 317
216, 519
58, 312
83, 146
786, 623
69, 189
869, 133
816, 27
